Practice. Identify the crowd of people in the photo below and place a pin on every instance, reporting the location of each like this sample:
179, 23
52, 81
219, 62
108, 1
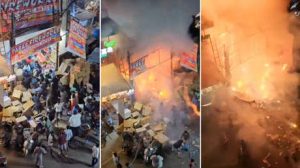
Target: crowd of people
55, 103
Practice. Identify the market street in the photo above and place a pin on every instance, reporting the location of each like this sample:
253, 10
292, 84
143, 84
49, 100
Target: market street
49, 84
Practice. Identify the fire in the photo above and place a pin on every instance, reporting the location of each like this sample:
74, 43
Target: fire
284, 67
163, 94
293, 125
151, 78
240, 84
189, 102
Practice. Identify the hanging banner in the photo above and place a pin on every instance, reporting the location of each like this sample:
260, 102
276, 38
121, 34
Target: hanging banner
27, 13
77, 39
189, 59
23, 50
138, 67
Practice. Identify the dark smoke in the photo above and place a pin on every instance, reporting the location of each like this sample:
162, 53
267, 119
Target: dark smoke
148, 22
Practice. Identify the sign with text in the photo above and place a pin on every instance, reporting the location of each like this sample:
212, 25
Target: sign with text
189, 59
138, 66
77, 39
27, 13
21, 51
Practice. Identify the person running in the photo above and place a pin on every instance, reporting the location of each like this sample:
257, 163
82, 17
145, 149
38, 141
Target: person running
95, 154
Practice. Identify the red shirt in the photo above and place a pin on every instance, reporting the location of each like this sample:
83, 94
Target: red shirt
62, 139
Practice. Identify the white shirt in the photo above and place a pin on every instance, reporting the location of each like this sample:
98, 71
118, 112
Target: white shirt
58, 107
75, 120
50, 140
96, 151
69, 134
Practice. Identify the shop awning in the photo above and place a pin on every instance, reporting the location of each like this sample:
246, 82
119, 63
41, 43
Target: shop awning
112, 81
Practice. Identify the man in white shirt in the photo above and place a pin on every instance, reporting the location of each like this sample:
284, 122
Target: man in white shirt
95, 155
58, 109
75, 123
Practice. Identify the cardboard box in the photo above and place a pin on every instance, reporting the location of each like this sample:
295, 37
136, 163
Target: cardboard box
129, 123
21, 119
8, 112
26, 96
28, 105
145, 120
139, 130
138, 106
17, 94
158, 127
8, 119
161, 138
135, 114
20, 87
151, 133
147, 110
16, 103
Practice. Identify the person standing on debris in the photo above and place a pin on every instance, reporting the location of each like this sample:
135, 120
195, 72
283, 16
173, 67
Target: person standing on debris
39, 151
58, 109
75, 123
95, 154
116, 159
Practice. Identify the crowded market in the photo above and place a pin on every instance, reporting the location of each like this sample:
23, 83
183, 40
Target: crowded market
50, 84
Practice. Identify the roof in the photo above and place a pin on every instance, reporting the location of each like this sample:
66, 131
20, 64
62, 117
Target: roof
112, 81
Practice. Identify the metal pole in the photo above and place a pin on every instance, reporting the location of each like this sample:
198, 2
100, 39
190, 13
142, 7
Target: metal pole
12, 38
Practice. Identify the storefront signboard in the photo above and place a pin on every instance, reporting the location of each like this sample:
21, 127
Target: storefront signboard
27, 13
21, 51
189, 59
77, 39
138, 66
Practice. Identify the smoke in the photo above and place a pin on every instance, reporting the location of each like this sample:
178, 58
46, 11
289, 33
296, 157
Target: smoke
148, 22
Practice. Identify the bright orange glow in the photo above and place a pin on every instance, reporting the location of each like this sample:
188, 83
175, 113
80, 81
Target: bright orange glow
151, 77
